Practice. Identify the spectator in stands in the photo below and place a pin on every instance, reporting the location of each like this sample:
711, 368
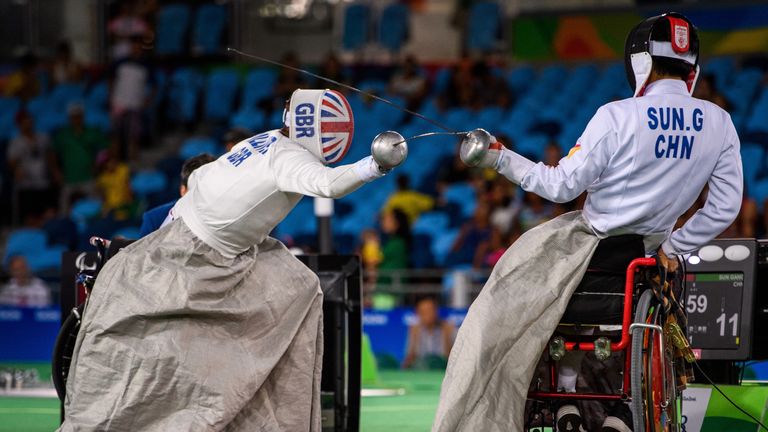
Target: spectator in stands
153, 219
76, 146
287, 81
333, 69
65, 69
132, 82
409, 201
397, 243
23, 288
24, 83
536, 210
409, 83
234, 136
33, 166
487, 88
552, 154
125, 28
504, 207
114, 184
706, 88
430, 340
458, 92
466, 249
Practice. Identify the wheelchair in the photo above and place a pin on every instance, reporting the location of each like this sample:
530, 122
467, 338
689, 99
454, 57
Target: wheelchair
64, 346
625, 306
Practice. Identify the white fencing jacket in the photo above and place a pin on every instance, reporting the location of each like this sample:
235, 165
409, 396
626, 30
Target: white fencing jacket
643, 162
234, 202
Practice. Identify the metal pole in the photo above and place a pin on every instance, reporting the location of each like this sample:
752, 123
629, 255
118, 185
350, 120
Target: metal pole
324, 213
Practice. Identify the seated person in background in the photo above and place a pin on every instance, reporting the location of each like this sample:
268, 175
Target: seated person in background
474, 233
234, 136
24, 288
114, 184
153, 219
409, 201
430, 340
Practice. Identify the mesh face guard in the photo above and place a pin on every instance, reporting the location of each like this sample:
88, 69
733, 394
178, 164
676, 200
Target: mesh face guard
322, 122
640, 49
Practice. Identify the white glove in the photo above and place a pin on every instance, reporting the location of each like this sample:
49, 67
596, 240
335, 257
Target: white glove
480, 149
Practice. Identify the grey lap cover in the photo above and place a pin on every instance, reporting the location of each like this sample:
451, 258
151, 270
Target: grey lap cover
509, 324
178, 338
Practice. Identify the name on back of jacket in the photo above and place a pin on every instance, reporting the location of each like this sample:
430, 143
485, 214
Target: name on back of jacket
677, 128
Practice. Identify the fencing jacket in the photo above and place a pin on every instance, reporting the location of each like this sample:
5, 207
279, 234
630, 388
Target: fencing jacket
643, 162
234, 202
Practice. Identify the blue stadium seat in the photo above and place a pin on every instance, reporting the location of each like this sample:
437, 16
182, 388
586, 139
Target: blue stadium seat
130, 232
98, 118
464, 195
756, 121
441, 245
210, 20
98, 96
393, 26
753, 159
357, 21
26, 242
8, 109
431, 223
259, 84
196, 145
421, 252
248, 118
183, 94
64, 94
301, 220
484, 28
760, 192
532, 145
220, 93
441, 80
172, 27
520, 78
85, 210
146, 182
49, 258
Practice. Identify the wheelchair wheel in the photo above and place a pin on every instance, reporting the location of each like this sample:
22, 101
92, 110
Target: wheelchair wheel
652, 373
63, 350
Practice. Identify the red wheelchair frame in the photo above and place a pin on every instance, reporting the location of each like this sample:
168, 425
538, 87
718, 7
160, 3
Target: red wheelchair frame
622, 345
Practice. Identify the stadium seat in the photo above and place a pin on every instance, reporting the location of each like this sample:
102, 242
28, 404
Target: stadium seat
753, 160
130, 232
8, 109
84, 210
484, 28
183, 94
259, 84
146, 182
249, 119
520, 78
464, 195
197, 145
421, 253
357, 19
441, 80
98, 96
431, 223
98, 118
172, 27
220, 93
48, 258
393, 26
441, 245
26, 242
210, 20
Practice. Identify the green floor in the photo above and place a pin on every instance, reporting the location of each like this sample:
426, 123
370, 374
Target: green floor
410, 412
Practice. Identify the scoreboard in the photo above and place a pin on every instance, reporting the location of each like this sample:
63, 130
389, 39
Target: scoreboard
720, 297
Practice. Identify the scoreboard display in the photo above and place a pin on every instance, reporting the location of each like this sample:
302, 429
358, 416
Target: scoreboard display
719, 299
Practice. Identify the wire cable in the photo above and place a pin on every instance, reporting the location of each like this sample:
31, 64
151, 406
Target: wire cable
729, 399
346, 86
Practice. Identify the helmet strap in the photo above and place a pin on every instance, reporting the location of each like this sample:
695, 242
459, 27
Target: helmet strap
642, 64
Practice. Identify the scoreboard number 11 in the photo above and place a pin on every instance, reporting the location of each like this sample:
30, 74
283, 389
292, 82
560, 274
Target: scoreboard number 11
733, 320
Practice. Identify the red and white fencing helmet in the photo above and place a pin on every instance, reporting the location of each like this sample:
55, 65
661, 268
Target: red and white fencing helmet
322, 122
672, 36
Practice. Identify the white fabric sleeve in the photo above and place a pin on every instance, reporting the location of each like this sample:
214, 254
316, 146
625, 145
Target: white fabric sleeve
296, 170
575, 172
726, 186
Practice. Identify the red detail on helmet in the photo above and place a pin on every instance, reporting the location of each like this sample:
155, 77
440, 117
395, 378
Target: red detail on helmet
680, 35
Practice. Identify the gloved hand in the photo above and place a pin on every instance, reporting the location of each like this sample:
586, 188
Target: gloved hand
389, 150
480, 149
